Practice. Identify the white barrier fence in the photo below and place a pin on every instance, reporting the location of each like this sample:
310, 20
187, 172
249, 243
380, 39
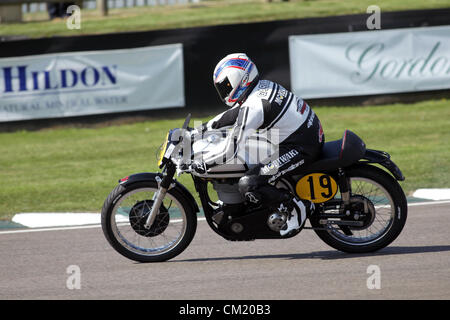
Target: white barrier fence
91, 4
93, 82
370, 62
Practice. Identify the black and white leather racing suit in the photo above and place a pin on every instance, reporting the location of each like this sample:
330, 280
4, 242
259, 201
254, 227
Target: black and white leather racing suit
270, 109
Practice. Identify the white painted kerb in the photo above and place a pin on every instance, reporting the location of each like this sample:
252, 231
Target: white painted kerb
432, 194
49, 219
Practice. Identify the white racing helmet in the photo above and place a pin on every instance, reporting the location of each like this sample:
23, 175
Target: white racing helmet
234, 77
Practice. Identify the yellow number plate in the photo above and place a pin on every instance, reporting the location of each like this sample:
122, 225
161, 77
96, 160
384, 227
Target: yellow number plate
316, 187
162, 151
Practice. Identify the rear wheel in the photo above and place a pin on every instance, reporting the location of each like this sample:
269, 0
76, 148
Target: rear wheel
125, 212
375, 218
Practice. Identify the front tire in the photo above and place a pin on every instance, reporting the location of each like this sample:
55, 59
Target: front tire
123, 216
388, 207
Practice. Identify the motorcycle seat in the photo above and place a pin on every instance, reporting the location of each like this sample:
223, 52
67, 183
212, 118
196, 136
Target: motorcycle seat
339, 153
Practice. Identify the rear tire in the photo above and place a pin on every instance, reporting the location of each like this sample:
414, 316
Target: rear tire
397, 213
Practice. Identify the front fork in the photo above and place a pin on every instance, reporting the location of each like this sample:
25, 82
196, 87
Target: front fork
163, 186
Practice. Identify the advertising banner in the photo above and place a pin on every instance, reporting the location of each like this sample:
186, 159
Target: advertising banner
91, 82
370, 62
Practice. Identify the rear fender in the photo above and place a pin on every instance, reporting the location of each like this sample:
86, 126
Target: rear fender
383, 158
152, 176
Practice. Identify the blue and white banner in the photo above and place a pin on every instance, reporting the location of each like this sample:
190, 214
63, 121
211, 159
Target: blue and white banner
94, 82
370, 62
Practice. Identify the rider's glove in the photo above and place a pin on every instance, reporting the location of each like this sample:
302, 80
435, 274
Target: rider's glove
198, 130
199, 167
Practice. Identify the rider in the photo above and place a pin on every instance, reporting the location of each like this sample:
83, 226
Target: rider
262, 106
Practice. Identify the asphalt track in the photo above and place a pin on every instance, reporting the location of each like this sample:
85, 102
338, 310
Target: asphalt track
34, 265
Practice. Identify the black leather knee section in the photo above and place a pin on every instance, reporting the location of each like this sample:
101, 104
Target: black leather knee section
248, 183
260, 190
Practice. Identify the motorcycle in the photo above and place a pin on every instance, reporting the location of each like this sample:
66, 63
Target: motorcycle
359, 205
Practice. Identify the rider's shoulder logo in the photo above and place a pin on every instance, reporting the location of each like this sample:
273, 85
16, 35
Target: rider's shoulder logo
263, 89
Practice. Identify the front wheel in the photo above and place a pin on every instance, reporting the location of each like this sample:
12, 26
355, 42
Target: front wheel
125, 212
376, 216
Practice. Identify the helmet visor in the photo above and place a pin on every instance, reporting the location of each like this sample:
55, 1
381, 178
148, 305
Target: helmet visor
223, 88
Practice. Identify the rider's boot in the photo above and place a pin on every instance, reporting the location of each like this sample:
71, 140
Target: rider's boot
295, 219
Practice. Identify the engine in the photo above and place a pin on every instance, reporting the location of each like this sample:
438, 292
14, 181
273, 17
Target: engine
228, 193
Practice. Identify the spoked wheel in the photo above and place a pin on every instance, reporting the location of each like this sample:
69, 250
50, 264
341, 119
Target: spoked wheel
376, 215
123, 221
138, 216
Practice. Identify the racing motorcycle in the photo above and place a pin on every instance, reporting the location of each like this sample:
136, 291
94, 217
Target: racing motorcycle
359, 205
